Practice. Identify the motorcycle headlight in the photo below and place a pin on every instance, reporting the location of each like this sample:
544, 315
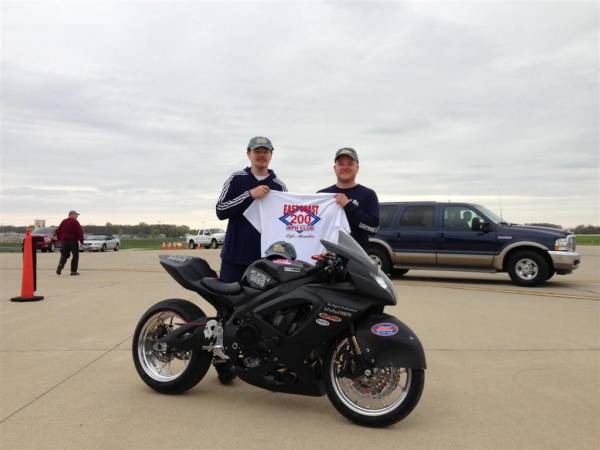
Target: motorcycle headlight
561, 245
381, 281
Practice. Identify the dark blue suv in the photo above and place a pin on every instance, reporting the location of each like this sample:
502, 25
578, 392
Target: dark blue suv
464, 236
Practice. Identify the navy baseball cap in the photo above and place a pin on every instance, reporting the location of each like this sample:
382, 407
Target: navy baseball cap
346, 151
73, 212
260, 142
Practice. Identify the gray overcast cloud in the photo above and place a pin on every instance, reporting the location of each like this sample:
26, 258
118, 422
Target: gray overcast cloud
138, 111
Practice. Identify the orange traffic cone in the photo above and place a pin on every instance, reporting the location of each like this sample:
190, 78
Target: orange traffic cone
164, 247
174, 245
169, 247
27, 283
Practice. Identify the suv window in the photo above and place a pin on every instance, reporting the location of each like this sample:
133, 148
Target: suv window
386, 214
417, 217
460, 218
200, 231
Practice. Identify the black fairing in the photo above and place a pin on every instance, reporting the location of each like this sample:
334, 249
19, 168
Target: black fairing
188, 271
402, 349
362, 271
296, 346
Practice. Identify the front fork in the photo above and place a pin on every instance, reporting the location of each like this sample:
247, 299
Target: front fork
357, 364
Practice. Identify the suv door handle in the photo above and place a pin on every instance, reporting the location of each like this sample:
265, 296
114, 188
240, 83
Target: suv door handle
398, 234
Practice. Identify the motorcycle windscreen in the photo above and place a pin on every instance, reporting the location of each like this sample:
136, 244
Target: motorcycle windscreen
349, 248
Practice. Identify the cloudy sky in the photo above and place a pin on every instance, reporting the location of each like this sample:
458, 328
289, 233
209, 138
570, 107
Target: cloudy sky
139, 111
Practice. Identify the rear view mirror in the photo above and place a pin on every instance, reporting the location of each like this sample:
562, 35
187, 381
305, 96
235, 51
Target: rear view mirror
486, 227
475, 224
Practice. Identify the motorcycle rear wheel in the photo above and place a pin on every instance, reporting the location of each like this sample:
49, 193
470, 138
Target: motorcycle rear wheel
385, 397
163, 371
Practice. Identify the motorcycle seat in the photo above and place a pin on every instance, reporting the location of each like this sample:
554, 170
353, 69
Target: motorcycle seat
215, 285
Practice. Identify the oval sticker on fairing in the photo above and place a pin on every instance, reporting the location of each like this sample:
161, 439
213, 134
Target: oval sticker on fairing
384, 329
322, 322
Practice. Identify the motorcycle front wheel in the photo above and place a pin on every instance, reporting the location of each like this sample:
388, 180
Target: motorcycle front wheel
379, 398
168, 372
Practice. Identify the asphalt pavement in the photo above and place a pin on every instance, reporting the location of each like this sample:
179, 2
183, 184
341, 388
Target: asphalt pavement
508, 367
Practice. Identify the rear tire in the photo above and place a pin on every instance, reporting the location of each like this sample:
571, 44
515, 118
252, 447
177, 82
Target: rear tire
195, 363
381, 259
116, 248
103, 249
528, 268
191, 245
214, 243
51, 248
372, 417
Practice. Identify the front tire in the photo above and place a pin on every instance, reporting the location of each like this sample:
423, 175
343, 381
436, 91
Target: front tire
528, 268
51, 248
156, 368
384, 398
381, 259
116, 247
103, 249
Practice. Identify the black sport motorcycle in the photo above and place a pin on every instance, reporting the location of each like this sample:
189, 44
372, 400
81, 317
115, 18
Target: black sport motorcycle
292, 327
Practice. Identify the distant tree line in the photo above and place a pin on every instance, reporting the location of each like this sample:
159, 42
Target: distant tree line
141, 230
145, 230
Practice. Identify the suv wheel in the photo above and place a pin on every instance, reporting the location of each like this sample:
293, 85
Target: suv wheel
381, 259
214, 244
528, 268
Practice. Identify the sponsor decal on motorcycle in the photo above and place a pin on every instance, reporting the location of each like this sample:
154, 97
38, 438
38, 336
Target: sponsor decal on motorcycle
322, 322
330, 317
178, 258
384, 329
339, 310
257, 278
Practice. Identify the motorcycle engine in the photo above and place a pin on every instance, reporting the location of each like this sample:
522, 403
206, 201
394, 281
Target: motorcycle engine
250, 346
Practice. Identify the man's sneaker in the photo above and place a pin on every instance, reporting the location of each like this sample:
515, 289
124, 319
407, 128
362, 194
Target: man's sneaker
59, 269
225, 373
74, 274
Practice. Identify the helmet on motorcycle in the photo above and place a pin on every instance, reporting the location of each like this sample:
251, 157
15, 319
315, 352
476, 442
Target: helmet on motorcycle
281, 249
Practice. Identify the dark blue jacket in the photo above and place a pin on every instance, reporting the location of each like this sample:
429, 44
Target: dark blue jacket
242, 241
362, 211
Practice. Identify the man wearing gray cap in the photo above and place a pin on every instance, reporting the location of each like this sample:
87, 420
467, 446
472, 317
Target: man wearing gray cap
359, 202
71, 234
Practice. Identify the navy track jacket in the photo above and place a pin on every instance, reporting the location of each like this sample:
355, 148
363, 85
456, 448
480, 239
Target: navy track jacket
242, 241
362, 211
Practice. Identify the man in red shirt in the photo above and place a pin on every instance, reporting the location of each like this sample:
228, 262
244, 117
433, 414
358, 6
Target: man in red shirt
71, 234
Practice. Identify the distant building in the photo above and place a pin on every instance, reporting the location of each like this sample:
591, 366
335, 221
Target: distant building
39, 223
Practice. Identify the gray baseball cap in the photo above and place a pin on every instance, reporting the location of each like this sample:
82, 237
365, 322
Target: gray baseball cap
346, 151
73, 212
260, 142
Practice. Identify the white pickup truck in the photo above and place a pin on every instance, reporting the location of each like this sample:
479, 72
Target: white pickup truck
208, 238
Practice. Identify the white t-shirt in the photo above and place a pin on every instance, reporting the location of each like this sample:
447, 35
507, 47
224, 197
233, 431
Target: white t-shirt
300, 219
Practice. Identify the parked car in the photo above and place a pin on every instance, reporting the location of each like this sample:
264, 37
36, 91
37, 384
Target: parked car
208, 238
100, 242
465, 236
43, 239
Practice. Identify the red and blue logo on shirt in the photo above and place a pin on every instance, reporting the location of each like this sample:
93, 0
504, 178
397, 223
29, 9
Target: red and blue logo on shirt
300, 218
